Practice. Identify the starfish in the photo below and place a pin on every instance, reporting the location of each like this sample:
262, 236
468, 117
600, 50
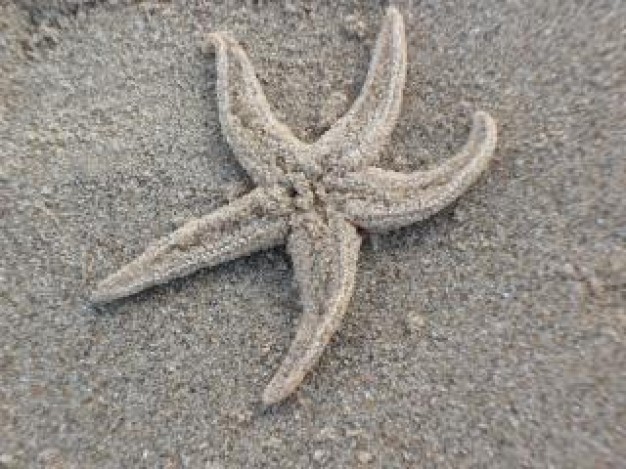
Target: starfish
317, 198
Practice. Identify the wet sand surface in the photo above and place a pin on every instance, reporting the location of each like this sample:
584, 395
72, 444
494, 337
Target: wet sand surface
491, 335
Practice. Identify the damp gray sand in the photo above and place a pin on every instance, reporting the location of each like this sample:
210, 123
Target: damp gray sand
489, 335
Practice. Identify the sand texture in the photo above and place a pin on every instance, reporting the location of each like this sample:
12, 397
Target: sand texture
490, 335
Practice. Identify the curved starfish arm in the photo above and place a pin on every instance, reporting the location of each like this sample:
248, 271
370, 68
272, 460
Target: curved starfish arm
379, 200
261, 144
324, 255
256, 221
361, 133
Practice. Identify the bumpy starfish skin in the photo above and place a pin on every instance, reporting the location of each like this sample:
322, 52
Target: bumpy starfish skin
311, 197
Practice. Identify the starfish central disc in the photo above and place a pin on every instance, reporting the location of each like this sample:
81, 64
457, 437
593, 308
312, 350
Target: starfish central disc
306, 194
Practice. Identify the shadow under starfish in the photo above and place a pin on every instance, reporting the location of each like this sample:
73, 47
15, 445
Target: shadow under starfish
313, 197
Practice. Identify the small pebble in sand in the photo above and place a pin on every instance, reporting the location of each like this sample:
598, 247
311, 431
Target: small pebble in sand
355, 26
364, 457
6, 460
319, 455
415, 322
51, 458
172, 462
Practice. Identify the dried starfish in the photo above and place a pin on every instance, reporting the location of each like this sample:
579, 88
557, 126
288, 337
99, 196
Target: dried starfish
313, 197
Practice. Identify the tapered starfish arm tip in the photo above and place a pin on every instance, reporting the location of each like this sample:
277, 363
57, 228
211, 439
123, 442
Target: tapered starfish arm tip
256, 221
324, 251
356, 139
380, 200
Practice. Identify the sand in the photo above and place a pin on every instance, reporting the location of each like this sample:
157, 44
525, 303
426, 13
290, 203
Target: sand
491, 335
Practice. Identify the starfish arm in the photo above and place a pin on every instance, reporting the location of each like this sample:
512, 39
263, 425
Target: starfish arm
259, 141
379, 200
361, 133
324, 255
256, 221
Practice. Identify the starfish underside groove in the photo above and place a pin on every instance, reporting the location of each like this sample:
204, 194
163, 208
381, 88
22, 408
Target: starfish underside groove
312, 197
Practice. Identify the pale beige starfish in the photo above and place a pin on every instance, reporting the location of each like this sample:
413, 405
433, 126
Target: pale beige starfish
313, 197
